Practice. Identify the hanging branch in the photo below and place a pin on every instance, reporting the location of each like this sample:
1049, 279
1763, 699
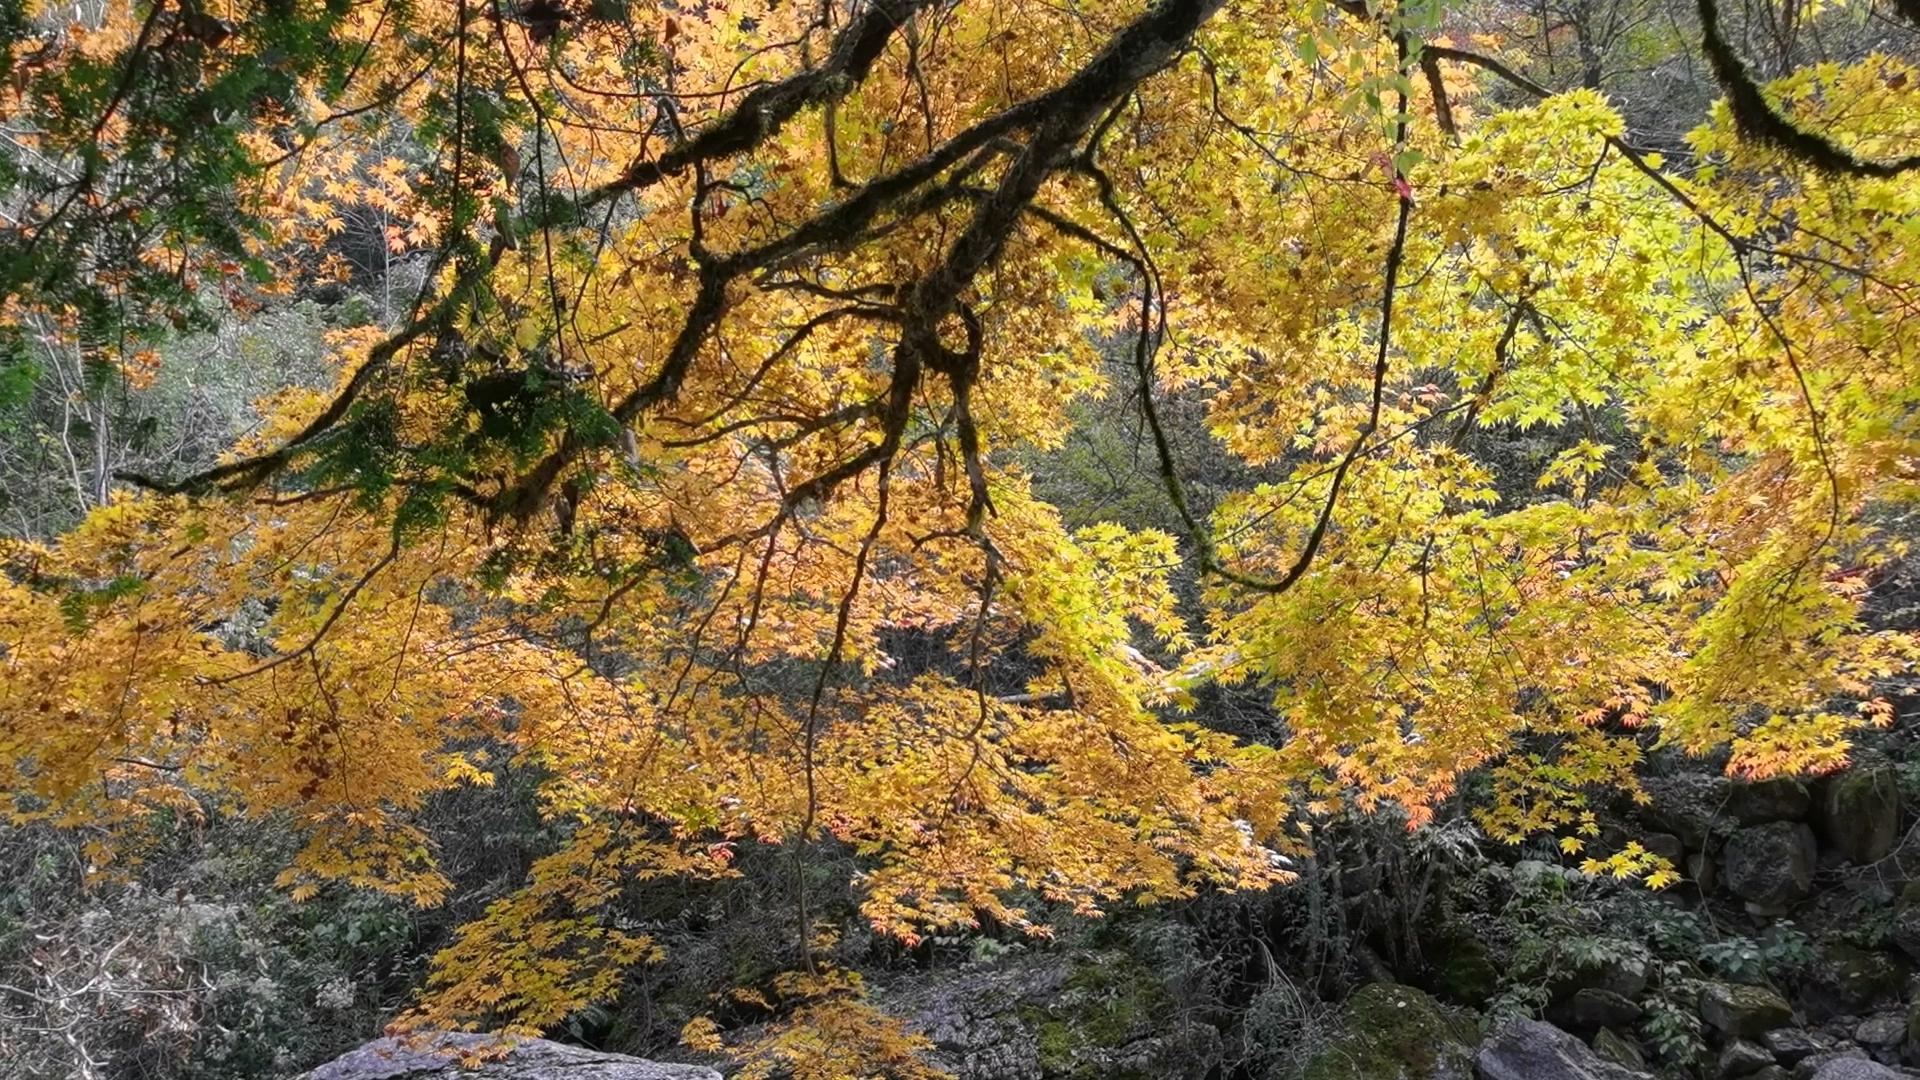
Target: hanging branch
1755, 118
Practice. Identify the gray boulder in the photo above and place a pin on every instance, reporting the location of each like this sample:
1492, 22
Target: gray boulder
1742, 1058
1812, 1066
1886, 1029
1779, 799
979, 1020
1743, 1012
1624, 976
1789, 1045
1685, 804
1591, 1008
1667, 846
1533, 1050
435, 1056
1906, 928
1619, 1049
1771, 864
1853, 1068
1913, 1032
1860, 813
1701, 869
1029, 1016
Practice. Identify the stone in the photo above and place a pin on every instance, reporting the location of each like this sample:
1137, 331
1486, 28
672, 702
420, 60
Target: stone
1906, 931
1832, 861
1743, 1012
1614, 837
1701, 869
1779, 799
1770, 864
1771, 1072
1810, 1067
1854, 1068
432, 1056
1624, 976
1088, 1013
1534, 1050
1886, 1029
1860, 812
1788, 1045
1394, 1032
1741, 1058
1685, 804
988, 1021
1667, 846
1591, 1008
1619, 1049
1846, 980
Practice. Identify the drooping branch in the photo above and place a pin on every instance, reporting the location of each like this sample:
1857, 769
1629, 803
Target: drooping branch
1756, 118
760, 115
1740, 244
333, 616
1207, 554
250, 472
767, 109
1056, 122
1059, 119
1753, 116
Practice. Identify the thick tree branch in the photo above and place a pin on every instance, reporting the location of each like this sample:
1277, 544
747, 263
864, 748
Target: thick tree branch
1060, 119
1757, 119
766, 109
759, 115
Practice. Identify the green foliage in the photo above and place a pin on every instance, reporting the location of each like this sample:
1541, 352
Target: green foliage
1782, 950
79, 602
1871, 926
17, 368
1672, 1021
148, 140
1282, 1029
1563, 921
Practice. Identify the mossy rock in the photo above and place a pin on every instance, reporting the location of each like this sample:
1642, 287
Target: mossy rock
1109, 1019
1459, 969
1395, 1032
1743, 1012
1860, 814
1846, 980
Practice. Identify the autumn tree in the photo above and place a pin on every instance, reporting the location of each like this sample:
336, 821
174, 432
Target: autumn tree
738, 322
